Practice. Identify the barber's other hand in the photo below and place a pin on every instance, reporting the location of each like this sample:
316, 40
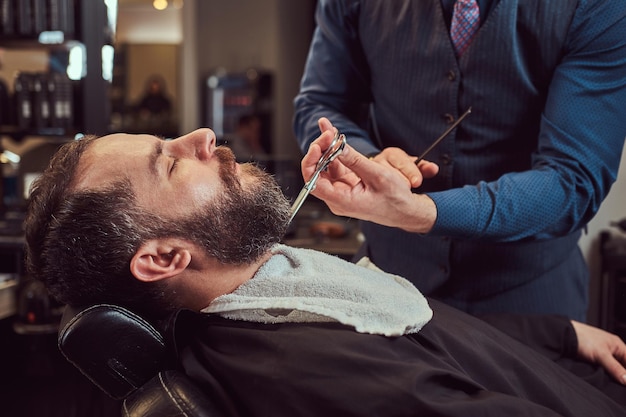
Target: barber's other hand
405, 163
355, 186
603, 348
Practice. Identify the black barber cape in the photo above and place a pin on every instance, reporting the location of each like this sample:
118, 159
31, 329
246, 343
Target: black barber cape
457, 365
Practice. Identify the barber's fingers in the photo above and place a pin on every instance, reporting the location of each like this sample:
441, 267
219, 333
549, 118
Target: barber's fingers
317, 147
614, 365
614, 360
428, 169
325, 124
603, 348
405, 163
309, 161
373, 174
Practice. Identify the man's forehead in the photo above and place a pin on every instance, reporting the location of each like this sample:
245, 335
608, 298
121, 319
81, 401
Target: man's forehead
113, 157
118, 139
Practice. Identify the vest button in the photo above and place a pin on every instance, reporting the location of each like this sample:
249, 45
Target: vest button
448, 118
451, 75
446, 159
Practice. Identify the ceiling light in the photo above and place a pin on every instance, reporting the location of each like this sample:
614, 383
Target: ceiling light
159, 4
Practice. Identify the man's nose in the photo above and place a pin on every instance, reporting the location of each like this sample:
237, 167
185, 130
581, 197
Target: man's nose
200, 143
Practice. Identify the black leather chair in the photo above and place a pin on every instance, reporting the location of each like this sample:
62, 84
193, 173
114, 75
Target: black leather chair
126, 357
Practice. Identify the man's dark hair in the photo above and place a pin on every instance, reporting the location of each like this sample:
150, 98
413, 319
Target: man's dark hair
80, 242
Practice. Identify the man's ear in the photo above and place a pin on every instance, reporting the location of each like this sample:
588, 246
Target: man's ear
160, 259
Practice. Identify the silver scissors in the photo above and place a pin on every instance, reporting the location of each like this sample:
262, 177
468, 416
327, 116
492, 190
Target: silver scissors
333, 151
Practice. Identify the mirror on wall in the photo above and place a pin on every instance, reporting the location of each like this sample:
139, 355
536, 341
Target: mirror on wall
144, 93
145, 87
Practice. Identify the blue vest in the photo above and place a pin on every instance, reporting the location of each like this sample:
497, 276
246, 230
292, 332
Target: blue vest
504, 76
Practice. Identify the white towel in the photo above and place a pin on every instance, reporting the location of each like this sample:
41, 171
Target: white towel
301, 285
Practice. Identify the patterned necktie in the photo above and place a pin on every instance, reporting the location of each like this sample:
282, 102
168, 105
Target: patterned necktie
465, 22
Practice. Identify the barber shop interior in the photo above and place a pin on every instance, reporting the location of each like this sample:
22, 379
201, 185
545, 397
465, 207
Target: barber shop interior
258, 75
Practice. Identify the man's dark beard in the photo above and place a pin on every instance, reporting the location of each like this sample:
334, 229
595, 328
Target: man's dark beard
242, 223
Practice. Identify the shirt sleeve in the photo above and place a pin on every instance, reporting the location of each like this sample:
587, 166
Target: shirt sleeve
335, 83
581, 136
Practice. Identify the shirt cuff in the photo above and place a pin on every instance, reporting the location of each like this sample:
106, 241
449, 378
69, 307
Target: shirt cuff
457, 213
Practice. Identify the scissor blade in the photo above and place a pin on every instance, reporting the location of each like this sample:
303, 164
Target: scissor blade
297, 204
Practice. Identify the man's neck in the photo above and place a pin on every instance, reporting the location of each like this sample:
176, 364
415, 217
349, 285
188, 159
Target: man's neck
209, 279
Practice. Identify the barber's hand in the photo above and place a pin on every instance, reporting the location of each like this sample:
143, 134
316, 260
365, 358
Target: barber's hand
603, 348
405, 163
355, 186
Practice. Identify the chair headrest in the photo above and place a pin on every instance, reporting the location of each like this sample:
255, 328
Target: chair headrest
113, 347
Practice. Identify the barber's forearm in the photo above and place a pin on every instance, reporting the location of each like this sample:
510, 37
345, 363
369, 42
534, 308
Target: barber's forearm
415, 214
335, 83
306, 115
421, 217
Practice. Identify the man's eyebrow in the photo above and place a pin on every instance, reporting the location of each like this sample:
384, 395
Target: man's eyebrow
154, 156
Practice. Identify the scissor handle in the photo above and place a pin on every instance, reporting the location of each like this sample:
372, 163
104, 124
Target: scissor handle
333, 151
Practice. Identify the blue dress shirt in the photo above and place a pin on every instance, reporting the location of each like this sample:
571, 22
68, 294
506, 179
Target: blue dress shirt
521, 176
